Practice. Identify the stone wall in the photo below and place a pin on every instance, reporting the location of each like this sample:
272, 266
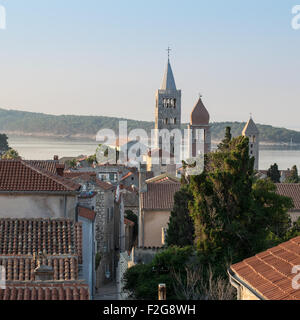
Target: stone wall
104, 229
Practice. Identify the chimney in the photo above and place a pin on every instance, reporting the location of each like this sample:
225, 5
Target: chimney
42, 272
142, 178
60, 168
55, 158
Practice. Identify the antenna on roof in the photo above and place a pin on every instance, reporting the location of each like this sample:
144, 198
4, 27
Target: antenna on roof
169, 50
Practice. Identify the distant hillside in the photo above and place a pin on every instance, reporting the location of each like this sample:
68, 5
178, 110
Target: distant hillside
86, 127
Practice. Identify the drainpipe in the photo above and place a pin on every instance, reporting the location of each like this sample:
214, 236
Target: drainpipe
235, 285
65, 206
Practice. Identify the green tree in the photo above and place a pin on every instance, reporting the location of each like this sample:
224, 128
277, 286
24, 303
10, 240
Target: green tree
91, 159
181, 227
273, 173
225, 142
3, 143
293, 177
11, 154
72, 163
141, 281
235, 216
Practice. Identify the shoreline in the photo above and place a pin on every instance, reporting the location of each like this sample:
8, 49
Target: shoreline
90, 139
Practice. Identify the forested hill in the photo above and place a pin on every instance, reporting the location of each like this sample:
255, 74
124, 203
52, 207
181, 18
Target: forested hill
69, 126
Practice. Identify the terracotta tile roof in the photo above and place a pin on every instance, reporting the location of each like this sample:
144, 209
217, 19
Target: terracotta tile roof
48, 165
21, 268
75, 290
291, 190
17, 175
164, 178
104, 185
74, 174
127, 175
270, 273
29, 236
159, 196
87, 213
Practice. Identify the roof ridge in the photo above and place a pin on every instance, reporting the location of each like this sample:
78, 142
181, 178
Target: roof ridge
58, 179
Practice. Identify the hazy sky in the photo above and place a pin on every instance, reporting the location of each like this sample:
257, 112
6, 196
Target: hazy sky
107, 58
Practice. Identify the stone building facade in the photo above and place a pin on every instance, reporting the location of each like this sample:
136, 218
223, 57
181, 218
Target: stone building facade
168, 108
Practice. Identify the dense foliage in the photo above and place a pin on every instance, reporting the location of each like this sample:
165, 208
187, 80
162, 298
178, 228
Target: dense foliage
141, 281
181, 227
235, 215
88, 126
11, 154
293, 176
273, 173
3, 143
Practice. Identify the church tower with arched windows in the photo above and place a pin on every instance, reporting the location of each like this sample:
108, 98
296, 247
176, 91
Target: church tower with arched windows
252, 133
168, 107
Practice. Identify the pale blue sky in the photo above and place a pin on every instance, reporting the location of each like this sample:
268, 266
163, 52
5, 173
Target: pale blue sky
108, 57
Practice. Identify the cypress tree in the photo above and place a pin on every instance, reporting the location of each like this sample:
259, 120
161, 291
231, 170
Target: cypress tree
180, 230
234, 215
273, 173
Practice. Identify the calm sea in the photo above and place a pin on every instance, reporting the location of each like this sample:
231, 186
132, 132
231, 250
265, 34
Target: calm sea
44, 148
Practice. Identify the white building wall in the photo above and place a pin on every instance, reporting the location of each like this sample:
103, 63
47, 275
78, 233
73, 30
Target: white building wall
37, 206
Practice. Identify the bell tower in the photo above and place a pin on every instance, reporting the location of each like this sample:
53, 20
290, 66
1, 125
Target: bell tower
199, 122
168, 106
252, 133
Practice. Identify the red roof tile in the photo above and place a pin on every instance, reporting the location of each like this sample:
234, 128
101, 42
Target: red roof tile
48, 165
52, 290
21, 268
29, 236
104, 185
87, 213
18, 175
291, 190
159, 196
270, 273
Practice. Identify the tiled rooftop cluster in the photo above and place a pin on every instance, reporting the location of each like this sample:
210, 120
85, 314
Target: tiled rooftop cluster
26, 244
22, 268
270, 273
59, 239
28, 236
45, 291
